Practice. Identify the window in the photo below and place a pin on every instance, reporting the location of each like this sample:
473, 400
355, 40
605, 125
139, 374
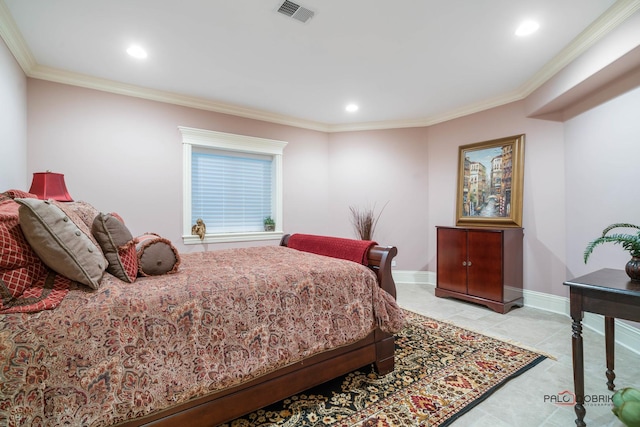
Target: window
231, 182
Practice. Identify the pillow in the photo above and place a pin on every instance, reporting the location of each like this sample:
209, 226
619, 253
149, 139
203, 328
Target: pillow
62, 240
117, 216
20, 266
118, 246
26, 284
156, 255
85, 211
12, 194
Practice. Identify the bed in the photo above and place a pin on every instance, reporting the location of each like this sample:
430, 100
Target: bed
226, 333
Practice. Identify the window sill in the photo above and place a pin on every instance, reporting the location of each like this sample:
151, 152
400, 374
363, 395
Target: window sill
233, 237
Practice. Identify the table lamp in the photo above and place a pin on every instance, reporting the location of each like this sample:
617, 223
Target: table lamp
50, 185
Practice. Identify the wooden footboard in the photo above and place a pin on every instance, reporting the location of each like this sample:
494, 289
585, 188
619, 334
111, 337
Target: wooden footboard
377, 348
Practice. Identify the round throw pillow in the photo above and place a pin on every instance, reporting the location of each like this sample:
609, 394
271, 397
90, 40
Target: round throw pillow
156, 255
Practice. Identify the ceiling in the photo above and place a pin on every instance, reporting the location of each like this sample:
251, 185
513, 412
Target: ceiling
405, 63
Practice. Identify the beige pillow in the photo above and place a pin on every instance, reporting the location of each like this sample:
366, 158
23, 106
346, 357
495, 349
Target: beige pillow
62, 240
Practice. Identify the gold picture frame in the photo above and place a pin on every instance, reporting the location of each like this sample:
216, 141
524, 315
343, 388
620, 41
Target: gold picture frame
490, 181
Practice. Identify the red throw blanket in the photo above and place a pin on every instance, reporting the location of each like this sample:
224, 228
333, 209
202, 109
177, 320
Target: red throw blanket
336, 247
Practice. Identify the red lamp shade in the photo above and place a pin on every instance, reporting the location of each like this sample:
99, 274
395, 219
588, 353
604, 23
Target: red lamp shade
50, 185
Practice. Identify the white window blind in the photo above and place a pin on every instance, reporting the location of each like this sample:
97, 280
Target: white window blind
231, 193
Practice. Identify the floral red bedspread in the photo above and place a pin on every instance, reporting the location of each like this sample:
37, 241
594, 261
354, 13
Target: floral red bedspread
126, 350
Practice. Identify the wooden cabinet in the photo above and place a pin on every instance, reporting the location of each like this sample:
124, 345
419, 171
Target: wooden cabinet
481, 265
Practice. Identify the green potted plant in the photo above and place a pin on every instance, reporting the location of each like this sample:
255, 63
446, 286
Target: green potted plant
269, 224
629, 242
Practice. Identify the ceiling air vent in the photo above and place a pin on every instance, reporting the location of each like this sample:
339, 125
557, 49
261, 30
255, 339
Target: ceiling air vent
296, 11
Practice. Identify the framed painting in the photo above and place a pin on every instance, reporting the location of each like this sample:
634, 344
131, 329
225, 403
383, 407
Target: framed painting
490, 180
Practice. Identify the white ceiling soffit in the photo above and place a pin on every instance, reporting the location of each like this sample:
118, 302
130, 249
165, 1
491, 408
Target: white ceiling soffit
10, 33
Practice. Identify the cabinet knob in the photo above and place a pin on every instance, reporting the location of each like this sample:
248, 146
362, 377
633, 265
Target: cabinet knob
468, 263
464, 263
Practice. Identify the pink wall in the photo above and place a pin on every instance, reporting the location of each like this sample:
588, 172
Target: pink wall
371, 169
13, 122
544, 180
602, 152
124, 154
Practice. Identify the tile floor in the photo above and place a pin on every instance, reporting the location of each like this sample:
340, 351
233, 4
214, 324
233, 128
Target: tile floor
521, 402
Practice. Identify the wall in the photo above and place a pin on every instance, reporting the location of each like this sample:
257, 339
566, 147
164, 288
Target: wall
386, 171
543, 192
124, 155
13, 123
602, 152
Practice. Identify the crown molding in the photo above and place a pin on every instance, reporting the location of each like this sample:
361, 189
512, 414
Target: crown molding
14, 40
105, 85
431, 120
10, 33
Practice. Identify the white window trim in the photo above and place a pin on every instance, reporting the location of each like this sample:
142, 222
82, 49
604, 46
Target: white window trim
229, 142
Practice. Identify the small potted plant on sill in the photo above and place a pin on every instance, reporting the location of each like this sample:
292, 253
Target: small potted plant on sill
629, 242
269, 224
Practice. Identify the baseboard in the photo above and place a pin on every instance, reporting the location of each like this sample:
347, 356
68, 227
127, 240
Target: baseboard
414, 277
626, 335
546, 302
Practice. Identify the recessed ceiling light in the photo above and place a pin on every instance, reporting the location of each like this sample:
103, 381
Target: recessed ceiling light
526, 28
137, 52
352, 108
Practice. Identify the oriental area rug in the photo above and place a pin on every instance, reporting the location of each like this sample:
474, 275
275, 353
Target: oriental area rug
441, 372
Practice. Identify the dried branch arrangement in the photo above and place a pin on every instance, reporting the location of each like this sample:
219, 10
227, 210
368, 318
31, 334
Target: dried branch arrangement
365, 220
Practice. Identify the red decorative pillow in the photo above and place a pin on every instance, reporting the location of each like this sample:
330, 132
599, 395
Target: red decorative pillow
26, 284
156, 255
12, 194
19, 264
118, 246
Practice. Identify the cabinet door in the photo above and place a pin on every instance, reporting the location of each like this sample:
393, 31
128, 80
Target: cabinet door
485, 269
452, 256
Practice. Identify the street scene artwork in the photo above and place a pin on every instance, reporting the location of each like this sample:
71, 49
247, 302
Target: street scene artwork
490, 181
487, 182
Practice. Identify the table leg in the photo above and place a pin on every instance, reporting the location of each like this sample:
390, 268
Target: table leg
609, 339
578, 370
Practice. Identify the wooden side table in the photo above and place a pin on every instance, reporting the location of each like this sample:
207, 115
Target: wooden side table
612, 294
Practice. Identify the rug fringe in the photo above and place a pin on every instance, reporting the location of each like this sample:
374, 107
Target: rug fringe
507, 340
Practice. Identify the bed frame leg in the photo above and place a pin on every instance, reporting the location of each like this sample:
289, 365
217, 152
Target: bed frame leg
385, 361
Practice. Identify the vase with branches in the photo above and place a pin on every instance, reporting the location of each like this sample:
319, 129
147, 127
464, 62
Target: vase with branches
364, 220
